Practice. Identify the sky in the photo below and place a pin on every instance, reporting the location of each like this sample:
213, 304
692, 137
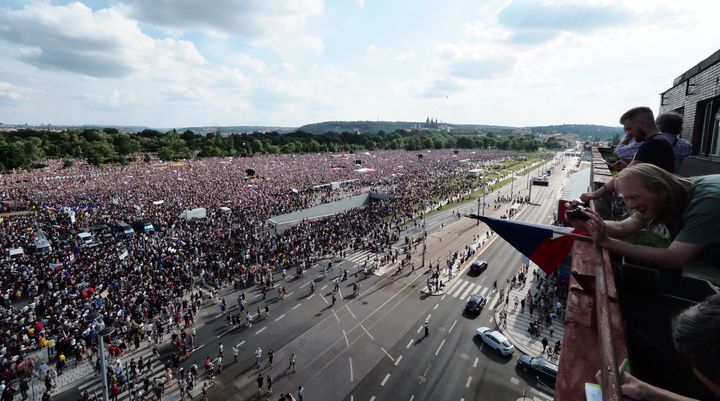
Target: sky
180, 63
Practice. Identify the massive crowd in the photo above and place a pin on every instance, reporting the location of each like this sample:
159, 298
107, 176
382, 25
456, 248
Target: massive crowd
139, 283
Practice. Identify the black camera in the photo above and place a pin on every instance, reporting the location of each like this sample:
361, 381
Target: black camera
576, 213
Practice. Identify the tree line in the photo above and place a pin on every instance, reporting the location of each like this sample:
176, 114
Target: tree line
26, 148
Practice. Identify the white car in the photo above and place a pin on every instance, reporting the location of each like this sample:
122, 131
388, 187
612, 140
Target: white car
495, 340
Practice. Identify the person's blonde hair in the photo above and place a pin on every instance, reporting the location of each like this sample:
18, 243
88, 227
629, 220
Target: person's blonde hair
671, 191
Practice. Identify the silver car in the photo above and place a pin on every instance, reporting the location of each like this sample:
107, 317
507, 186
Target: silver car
495, 340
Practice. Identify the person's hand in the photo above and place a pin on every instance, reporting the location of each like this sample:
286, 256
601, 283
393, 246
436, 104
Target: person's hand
595, 226
632, 387
587, 196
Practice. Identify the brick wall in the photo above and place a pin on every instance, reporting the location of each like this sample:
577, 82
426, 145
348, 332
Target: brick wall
706, 86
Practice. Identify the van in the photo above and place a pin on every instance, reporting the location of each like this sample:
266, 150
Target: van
85, 237
125, 228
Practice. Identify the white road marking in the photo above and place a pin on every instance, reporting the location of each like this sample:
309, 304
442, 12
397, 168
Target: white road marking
467, 383
290, 293
457, 292
261, 330
451, 327
476, 362
388, 355
351, 312
467, 292
372, 398
296, 306
224, 332
385, 380
368, 333
303, 286
419, 329
438, 350
539, 393
398, 360
351, 371
347, 343
485, 291
311, 295
280, 317
336, 316
410, 343
412, 397
323, 287
514, 380
436, 306
240, 343
452, 287
428, 317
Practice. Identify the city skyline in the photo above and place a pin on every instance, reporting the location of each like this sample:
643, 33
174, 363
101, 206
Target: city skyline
289, 63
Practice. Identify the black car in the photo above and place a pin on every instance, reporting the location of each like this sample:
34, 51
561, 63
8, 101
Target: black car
544, 370
475, 304
478, 266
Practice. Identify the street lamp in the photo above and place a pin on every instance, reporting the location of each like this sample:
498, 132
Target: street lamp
96, 319
424, 234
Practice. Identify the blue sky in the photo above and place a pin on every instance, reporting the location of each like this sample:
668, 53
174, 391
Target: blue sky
175, 63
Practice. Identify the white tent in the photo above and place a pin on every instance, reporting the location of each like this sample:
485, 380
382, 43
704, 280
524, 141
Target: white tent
197, 213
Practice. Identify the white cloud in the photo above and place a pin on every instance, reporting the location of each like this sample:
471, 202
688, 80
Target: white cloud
99, 43
405, 56
115, 99
360, 3
252, 19
250, 62
313, 43
9, 93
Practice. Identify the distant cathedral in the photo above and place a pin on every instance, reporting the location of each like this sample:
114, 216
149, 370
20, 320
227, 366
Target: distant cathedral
430, 123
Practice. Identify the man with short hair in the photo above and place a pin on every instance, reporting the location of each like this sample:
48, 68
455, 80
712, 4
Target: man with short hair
639, 122
670, 126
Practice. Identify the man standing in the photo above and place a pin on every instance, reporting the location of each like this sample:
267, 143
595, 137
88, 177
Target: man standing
670, 127
258, 355
654, 149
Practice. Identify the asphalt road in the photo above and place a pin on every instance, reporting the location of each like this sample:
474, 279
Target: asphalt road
373, 345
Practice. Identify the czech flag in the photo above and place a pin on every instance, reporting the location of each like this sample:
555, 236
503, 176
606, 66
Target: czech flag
55, 266
545, 245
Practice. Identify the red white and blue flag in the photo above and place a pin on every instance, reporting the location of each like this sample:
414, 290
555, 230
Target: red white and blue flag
545, 245
55, 266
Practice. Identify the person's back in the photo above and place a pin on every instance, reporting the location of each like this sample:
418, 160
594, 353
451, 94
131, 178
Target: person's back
670, 127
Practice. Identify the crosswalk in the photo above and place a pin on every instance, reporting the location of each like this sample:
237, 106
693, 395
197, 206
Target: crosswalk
156, 370
463, 289
362, 256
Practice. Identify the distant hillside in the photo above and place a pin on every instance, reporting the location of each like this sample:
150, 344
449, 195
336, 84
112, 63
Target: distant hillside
583, 131
350, 126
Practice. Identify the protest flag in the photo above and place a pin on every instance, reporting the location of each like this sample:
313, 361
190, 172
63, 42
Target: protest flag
55, 266
545, 245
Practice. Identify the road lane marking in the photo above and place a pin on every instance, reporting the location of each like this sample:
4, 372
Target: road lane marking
428, 317
336, 316
419, 329
351, 371
467, 383
303, 286
388, 355
385, 380
296, 306
514, 380
476, 362
410, 343
290, 293
436, 306
347, 343
372, 398
280, 317
368, 333
438, 350
240, 344
225, 332
261, 330
311, 295
398, 360
351, 312
443, 297
451, 327
452, 287
467, 292
412, 397
323, 287
424, 375
462, 287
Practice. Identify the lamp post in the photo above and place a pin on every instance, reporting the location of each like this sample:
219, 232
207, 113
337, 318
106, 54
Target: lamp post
424, 226
96, 319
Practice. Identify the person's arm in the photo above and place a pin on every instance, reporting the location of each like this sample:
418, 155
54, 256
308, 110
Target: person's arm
673, 257
640, 390
608, 188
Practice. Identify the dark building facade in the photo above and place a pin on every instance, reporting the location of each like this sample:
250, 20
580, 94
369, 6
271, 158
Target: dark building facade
696, 95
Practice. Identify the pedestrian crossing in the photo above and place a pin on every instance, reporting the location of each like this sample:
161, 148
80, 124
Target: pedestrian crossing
156, 370
463, 289
362, 256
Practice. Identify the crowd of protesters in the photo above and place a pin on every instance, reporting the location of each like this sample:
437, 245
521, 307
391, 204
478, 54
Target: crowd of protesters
47, 295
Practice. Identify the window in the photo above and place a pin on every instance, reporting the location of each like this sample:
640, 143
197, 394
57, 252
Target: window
707, 122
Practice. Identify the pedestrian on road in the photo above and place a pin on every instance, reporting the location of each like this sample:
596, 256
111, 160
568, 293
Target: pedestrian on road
301, 393
545, 343
427, 329
270, 356
292, 362
260, 381
333, 299
269, 381
267, 310
235, 352
258, 355
220, 349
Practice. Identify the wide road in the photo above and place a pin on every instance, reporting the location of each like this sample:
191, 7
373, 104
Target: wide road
372, 345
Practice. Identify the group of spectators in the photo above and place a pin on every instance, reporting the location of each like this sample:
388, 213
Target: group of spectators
140, 284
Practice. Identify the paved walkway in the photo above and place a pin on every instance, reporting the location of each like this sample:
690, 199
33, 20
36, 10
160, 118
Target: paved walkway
518, 321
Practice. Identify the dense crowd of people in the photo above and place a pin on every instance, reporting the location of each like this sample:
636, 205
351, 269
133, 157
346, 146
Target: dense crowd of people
46, 295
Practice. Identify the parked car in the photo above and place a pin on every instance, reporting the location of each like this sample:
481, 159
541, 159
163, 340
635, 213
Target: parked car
125, 228
495, 340
478, 266
475, 304
543, 369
